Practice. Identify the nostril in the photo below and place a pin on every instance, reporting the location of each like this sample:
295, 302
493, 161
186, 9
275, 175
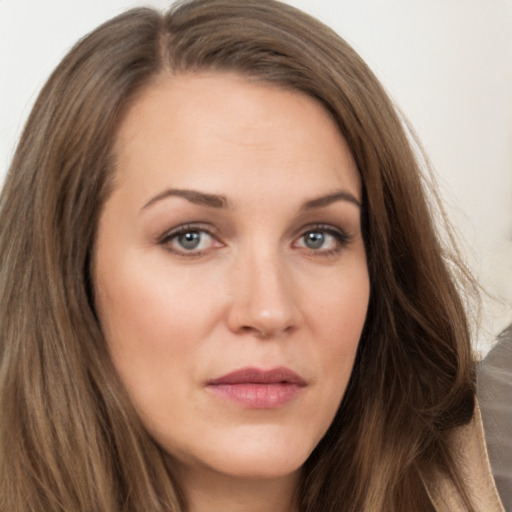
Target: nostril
258, 331
265, 331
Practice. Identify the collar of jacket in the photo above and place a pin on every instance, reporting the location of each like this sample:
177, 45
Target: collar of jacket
473, 463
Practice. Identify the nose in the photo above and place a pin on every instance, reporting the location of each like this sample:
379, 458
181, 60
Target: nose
264, 301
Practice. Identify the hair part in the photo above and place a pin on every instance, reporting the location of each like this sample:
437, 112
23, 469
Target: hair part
69, 437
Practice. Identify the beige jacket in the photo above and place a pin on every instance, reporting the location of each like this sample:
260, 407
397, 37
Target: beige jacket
474, 465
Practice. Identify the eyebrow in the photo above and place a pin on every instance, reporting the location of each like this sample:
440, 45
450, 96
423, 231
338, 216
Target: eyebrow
324, 201
220, 201
193, 196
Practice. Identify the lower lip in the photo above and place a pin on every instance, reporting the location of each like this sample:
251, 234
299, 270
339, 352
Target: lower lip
258, 396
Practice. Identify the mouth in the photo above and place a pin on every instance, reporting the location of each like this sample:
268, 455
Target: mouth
259, 389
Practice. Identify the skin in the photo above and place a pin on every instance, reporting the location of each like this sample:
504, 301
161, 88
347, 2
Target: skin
278, 279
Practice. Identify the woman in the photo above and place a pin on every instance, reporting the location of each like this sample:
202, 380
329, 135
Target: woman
221, 284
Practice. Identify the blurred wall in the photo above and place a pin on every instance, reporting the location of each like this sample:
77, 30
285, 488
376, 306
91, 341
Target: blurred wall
446, 63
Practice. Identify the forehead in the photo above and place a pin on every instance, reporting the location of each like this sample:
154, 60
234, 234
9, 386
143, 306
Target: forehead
209, 130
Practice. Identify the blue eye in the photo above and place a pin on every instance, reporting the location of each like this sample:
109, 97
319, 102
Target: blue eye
188, 240
314, 239
322, 240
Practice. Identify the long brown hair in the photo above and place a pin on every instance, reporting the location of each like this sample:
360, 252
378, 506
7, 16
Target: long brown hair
69, 438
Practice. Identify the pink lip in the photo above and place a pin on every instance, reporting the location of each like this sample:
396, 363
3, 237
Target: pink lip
259, 389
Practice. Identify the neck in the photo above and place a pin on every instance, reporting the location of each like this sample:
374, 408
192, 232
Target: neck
207, 491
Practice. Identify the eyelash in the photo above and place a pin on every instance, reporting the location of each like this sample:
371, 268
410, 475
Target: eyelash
167, 239
341, 238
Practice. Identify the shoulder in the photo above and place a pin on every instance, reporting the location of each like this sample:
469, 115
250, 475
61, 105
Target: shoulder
473, 462
495, 395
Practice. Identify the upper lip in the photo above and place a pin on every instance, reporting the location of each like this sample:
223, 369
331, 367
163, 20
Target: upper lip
259, 376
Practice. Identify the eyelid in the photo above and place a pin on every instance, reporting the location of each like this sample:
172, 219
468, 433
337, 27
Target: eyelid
168, 236
322, 226
341, 235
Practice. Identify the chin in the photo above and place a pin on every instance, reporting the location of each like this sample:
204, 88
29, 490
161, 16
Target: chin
262, 465
263, 453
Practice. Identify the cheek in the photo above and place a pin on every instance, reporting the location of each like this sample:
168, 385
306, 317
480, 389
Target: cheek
141, 297
153, 333
337, 315
338, 310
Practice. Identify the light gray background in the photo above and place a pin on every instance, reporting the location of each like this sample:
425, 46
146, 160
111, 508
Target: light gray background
447, 64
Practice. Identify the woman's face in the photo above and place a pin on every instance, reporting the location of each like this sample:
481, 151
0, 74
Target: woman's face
230, 272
